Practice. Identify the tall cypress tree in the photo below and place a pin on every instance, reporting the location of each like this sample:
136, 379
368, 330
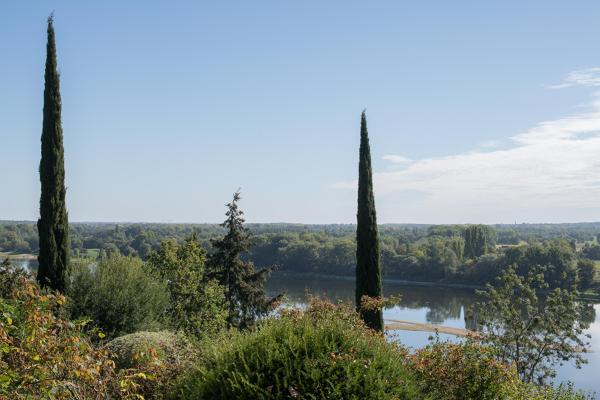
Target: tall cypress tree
368, 269
53, 225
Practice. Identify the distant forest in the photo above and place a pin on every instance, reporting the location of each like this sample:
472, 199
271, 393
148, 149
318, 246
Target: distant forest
472, 254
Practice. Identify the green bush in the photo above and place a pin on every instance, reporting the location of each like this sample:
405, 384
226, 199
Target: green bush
325, 352
564, 392
469, 370
197, 303
119, 295
450, 371
152, 360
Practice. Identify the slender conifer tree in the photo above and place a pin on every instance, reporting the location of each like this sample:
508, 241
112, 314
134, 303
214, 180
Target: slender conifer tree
245, 296
53, 225
368, 269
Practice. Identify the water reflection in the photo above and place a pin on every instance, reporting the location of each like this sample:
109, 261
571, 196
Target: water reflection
29, 265
434, 305
441, 303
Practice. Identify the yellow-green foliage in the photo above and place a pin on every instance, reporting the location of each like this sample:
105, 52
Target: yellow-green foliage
197, 303
469, 370
152, 360
325, 352
139, 348
450, 371
44, 356
41, 355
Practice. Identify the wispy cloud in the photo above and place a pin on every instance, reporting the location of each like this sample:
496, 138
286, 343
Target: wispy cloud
553, 166
396, 159
582, 77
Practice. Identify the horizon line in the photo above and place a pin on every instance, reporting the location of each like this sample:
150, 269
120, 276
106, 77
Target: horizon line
4, 221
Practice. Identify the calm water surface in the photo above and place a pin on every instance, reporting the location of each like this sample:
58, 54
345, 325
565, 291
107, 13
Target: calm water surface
30, 265
434, 305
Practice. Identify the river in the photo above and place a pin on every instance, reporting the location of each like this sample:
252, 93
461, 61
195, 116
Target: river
433, 305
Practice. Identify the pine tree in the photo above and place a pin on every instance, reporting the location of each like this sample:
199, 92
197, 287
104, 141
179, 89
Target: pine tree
53, 225
245, 296
368, 269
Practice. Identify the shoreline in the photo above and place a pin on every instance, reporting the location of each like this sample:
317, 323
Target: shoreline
20, 257
402, 325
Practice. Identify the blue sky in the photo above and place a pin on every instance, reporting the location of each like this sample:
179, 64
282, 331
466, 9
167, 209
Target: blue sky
478, 112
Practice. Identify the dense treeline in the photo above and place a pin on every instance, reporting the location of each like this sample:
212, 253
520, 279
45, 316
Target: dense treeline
21, 237
473, 254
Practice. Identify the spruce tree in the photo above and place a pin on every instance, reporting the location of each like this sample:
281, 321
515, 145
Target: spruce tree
53, 225
245, 296
368, 269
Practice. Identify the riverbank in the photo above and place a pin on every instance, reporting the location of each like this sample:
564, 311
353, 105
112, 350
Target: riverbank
400, 325
19, 257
